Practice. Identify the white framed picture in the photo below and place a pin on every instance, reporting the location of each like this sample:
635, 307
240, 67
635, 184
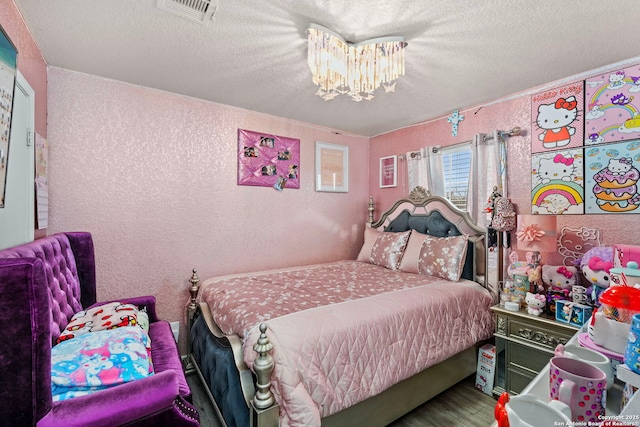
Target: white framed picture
389, 171
332, 167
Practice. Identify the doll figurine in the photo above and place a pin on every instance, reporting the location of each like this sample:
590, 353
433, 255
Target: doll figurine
535, 278
596, 265
535, 303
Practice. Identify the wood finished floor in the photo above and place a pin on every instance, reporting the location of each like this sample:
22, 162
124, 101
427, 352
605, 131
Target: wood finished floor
462, 405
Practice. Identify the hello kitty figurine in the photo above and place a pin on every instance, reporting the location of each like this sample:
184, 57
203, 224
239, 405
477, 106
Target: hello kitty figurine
535, 303
595, 265
555, 119
558, 168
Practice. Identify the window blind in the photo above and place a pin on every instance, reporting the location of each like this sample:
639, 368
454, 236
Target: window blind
456, 164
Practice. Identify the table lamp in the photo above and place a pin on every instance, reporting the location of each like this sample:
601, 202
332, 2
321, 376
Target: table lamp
536, 234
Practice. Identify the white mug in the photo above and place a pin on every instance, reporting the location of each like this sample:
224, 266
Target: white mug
592, 357
526, 410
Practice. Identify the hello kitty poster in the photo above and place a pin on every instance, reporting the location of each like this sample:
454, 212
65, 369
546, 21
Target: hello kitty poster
557, 182
612, 105
612, 172
557, 115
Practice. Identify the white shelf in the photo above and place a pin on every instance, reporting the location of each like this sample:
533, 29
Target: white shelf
539, 387
632, 409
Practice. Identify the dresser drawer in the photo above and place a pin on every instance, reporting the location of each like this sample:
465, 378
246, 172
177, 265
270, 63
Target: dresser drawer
539, 335
527, 358
524, 345
517, 380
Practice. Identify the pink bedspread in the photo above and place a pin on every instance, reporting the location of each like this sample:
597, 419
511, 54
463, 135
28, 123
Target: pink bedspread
346, 331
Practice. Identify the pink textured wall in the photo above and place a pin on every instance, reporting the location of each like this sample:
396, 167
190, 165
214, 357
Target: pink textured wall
503, 115
153, 176
31, 64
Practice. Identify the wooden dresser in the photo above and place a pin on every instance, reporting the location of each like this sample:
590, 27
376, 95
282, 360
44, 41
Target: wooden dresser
524, 345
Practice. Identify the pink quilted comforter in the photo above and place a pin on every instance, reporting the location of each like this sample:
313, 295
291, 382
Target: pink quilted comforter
346, 331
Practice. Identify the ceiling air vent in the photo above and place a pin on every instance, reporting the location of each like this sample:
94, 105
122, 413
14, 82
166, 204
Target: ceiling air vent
201, 11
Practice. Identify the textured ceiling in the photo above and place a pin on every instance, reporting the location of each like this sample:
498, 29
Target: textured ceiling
253, 54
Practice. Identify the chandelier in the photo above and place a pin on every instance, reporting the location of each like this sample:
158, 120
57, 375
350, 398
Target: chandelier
339, 67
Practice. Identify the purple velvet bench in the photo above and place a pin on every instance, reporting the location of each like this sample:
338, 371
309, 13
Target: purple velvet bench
42, 284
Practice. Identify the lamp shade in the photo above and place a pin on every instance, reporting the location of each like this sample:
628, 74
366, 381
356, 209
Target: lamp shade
537, 233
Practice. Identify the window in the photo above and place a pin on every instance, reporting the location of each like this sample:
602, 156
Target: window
456, 164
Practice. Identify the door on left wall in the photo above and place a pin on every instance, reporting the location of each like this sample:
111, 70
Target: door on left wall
17, 218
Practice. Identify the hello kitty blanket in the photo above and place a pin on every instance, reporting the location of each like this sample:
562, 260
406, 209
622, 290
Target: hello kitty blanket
345, 331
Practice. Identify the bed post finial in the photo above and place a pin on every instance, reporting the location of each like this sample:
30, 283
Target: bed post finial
370, 209
263, 367
193, 290
419, 194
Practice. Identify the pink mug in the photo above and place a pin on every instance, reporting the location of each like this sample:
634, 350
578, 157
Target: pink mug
580, 386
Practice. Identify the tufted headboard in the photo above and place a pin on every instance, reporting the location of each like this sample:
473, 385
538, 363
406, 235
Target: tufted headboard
438, 217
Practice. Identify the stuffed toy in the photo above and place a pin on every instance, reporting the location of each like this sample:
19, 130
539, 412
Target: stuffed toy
560, 277
595, 265
559, 281
535, 303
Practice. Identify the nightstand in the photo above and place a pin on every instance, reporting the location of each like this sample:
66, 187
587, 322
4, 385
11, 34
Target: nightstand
524, 345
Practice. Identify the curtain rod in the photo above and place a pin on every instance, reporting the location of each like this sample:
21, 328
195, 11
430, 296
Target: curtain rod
513, 132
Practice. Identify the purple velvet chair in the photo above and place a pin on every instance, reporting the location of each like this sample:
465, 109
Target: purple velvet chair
42, 284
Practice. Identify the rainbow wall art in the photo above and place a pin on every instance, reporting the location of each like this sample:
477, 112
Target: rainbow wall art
613, 106
557, 182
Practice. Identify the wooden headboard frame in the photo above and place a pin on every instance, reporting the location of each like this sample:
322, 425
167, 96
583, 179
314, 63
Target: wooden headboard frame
421, 203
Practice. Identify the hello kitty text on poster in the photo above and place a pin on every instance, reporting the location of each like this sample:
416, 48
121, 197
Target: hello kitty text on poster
557, 115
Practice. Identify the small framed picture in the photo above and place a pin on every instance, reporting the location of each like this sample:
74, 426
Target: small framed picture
332, 167
389, 171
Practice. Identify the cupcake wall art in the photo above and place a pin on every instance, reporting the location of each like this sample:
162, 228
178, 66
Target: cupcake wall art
612, 172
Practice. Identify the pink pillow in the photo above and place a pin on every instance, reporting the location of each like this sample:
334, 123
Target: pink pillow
388, 249
443, 257
370, 236
409, 263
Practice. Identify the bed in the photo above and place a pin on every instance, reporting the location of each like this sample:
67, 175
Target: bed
353, 342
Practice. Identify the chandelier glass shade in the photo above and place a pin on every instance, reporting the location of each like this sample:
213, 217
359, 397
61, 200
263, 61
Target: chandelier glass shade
357, 70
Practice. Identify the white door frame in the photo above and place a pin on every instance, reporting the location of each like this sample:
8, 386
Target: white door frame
17, 218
